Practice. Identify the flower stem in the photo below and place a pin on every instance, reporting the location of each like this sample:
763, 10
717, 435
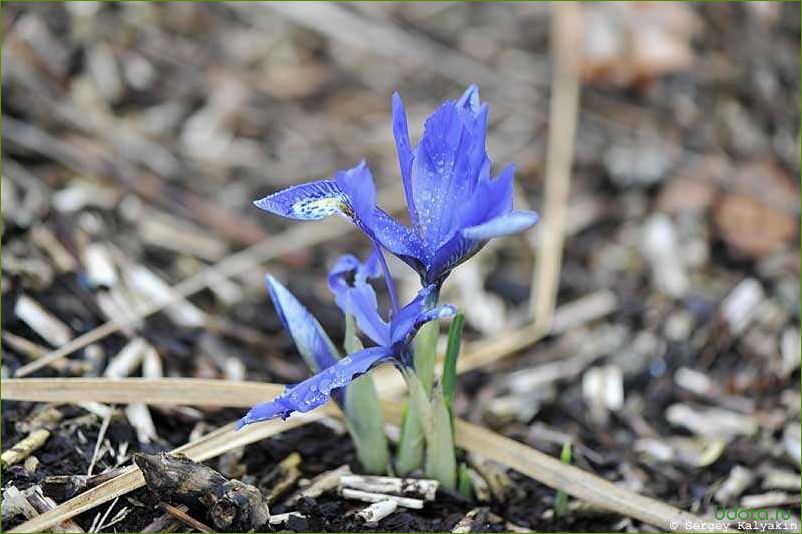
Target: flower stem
388, 279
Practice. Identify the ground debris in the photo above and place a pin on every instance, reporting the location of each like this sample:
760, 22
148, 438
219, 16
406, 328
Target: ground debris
229, 504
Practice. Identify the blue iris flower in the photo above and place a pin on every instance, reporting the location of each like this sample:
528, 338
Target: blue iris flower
455, 206
356, 298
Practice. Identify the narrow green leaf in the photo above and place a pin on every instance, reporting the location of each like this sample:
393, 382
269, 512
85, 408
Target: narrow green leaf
465, 484
450, 365
561, 500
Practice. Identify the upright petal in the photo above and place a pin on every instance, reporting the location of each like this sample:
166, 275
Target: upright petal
405, 156
311, 201
315, 391
313, 344
491, 199
469, 100
447, 165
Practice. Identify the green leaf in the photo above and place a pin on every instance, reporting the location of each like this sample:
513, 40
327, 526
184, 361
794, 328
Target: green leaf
365, 421
409, 455
426, 353
363, 413
561, 500
465, 484
450, 365
441, 461
411, 443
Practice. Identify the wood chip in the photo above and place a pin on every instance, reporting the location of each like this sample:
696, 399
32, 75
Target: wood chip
50, 328
422, 488
465, 525
660, 246
280, 519
737, 481
27, 446
377, 511
712, 422
322, 483
740, 307
366, 496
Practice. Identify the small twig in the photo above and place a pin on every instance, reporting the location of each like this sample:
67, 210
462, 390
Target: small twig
104, 426
181, 515
99, 520
560, 154
165, 522
63, 487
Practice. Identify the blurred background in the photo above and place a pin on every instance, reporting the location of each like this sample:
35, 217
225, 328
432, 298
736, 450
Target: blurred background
135, 137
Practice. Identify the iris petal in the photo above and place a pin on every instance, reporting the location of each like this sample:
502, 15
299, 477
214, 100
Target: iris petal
359, 190
512, 223
315, 391
311, 340
311, 201
359, 299
405, 156
398, 239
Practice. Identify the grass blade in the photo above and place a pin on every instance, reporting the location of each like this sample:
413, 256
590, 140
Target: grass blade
561, 500
450, 364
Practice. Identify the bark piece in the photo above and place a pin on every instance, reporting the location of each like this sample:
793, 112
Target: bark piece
230, 504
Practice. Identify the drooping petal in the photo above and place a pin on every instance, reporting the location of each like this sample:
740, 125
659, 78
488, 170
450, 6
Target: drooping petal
440, 312
405, 156
315, 391
359, 299
313, 344
310, 201
512, 223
